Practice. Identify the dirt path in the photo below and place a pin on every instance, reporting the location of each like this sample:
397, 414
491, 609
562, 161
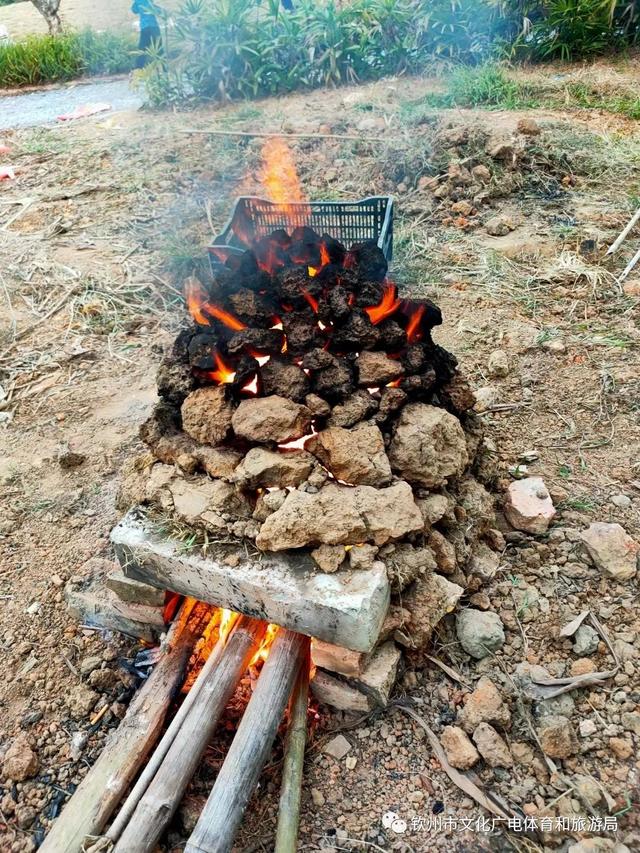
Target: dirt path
101, 224
23, 19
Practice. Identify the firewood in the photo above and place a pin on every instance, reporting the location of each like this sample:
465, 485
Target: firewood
291, 789
238, 776
213, 689
96, 797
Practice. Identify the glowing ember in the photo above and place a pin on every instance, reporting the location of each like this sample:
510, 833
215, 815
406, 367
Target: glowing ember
413, 329
262, 359
387, 305
201, 309
223, 374
310, 299
297, 443
252, 386
324, 260
394, 384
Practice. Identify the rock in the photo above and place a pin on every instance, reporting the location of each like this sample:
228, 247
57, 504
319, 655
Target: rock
427, 600
479, 632
582, 666
621, 747
587, 728
405, 563
483, 562
498, 363
621, 501
286, 379
379, 674
20, 761
499, 226
319, 407
362, 556
377, 368
631, 722
588, 789
486, 397
337, 747
317, 797
461, 753
557, 737
337, 659
528, 505
528, 127
77, 745
331, 691
341, 515
492, 747
503, 151
463, 207
128, 589
269, 419
585, 641
481, 173
484, 705
612, 550
329, 557
81, 700
206, 415
444, 551
434, 507
208, 503
428, 446
88, 664
262, 468
357, 407
477, 503
356, 456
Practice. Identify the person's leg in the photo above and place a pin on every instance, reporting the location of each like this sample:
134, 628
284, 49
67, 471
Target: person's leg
145, 40
155, 39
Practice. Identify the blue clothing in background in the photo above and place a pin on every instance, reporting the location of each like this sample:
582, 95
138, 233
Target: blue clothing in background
147, 11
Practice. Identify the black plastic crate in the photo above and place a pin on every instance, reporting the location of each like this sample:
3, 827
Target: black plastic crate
346, 221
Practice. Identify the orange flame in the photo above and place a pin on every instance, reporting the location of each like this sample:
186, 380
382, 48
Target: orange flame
201, 308
413, 327
265, 646
310, 299
387, 305
224, 374
324, 260
280, 177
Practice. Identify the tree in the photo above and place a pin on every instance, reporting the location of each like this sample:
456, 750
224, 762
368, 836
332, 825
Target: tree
49, 11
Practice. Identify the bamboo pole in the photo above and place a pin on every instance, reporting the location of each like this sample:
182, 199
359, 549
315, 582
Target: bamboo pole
634, 260
157, 804
621, 236
291, 790
238, 776
270, 135
101, 790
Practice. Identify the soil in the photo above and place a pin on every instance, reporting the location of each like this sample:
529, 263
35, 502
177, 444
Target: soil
99, 227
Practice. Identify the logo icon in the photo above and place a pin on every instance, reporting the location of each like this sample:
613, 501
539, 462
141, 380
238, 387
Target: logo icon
393, 821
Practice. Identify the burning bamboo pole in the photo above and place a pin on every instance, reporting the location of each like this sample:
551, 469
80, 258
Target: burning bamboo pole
238, 776
138, 828
291, 790
100, 791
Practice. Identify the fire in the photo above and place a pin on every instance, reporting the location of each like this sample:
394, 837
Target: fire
297, 443
201, 309
252, 386
224, 374
265, 646
413, 327
217, 631
310, 299
324, 260
387, 305
280, 177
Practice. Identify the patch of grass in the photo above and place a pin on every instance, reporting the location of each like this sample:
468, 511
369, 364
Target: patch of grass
46, 59
583, 95
581, 504
483, 86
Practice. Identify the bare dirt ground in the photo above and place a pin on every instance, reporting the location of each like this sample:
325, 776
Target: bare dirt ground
101, 223
23, 19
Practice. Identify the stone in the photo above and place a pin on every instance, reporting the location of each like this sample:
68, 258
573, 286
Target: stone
379, 675
484, 705
88, 664
428, 600
444, 552
621, 501
329, 558
362, 556
428, 446
271, 419
208, 503
486, 397
377, 368
557, 737
631, 722
341, 515
481, 173
461, 753
317, 797
477, 503
356, 456
528, 506
499, 226
491, 746
502, 150
262, 468
585, 641
498, 363
621, 747
337, 659
318, 407
345, 608
20, 762
81, 700
479, 632
338, 694
611, 549
406, 563
206, 414
286, 379
338, 747
434, 507
528, 127
483, 562
357, 407
588, 789
132, 591
587, 728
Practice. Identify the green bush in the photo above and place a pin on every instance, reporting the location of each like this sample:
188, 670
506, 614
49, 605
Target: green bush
46, 59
